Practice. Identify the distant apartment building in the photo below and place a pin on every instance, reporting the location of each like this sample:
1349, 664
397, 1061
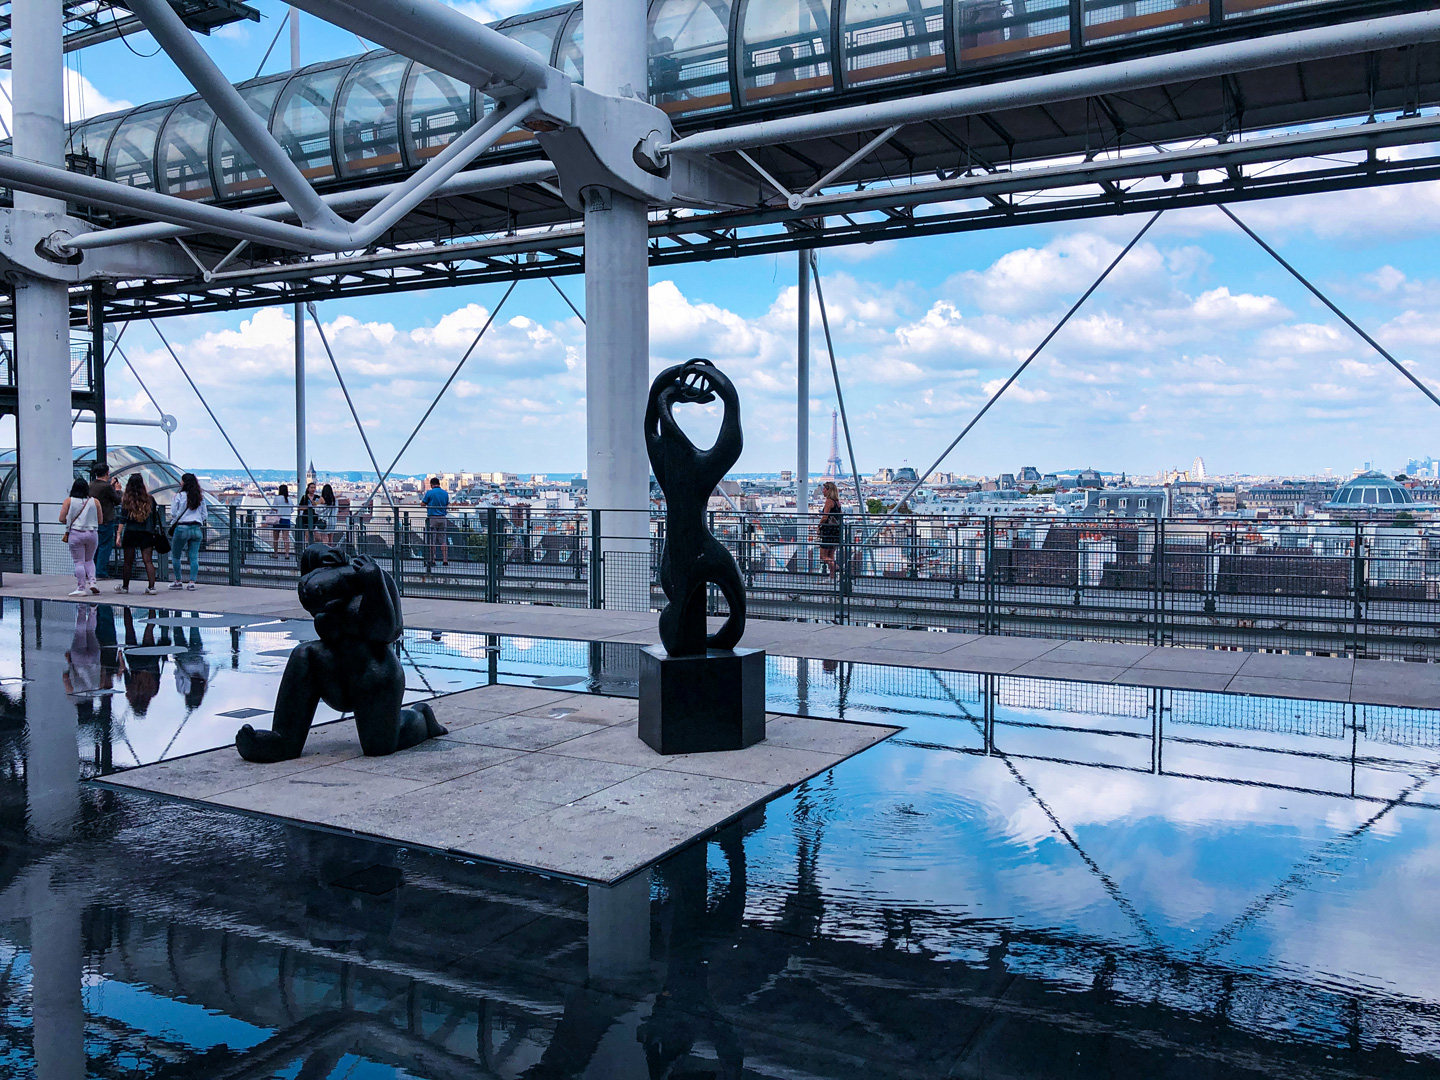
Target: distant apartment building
1288, 496
1089, 478
1028, 474
1127, 502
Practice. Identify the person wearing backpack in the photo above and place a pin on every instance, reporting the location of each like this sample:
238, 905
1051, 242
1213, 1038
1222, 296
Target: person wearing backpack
80, 515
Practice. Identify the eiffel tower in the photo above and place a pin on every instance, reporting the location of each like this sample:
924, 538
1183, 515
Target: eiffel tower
833, 469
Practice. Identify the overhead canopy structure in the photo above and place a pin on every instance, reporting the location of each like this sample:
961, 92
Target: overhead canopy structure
809, 106
92, 22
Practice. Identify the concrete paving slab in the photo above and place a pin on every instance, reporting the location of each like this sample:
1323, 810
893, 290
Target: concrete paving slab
920, 643
500, 699
778, 765
435, 760
589, 709
1329, 669
1216, 661
1174, 680
825, 736
1016, 648
314, 794
1105, 653
523, 732
596, 844
1045, 668
1398, 696
619, 743
1302, 689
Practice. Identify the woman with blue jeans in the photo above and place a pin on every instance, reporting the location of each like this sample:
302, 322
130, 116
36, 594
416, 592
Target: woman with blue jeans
187, 517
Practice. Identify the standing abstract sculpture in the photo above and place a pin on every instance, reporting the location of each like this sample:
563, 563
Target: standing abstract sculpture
693, 558
697, 692
351, 667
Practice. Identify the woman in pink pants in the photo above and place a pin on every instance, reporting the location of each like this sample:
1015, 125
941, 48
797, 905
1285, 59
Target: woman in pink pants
81, 517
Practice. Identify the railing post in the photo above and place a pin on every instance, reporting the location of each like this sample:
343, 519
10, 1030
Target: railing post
989, 575
846, 532
1158, 559
492, 555
1357, 590
234, 552
35, 538
397, 555
597, 563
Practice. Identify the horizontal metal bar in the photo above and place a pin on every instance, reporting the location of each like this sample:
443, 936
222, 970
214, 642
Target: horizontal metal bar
465, 183
1208, 61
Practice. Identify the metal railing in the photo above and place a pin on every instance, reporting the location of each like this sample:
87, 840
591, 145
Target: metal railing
1344, 588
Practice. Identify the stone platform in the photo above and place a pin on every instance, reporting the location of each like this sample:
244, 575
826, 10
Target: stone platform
540, 779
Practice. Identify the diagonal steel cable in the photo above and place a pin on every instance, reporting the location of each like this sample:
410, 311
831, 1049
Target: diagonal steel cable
568, 303
315, 318
835, 374
1396, 364
209, 410
1017, 373
448, 381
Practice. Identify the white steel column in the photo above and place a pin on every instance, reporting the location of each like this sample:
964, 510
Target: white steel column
617, 327
802, 385
42, 308
299, 317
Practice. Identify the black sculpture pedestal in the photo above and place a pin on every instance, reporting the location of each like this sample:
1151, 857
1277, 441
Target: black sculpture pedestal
696, 704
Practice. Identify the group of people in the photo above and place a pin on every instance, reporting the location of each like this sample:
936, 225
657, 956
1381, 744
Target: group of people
98, 515
315, 520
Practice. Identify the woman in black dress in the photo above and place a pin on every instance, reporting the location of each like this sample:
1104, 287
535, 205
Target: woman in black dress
830, 524
138, 528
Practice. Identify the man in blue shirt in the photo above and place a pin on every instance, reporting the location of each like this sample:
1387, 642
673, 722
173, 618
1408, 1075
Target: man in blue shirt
437, 507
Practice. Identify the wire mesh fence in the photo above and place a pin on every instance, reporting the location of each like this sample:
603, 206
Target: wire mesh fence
1342, 588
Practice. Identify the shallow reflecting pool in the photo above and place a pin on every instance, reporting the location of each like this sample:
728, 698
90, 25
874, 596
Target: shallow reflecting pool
1033, 879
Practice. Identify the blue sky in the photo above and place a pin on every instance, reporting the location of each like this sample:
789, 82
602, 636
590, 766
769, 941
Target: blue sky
1199, 344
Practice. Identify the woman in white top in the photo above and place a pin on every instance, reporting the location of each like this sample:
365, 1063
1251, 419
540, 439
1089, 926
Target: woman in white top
187, 529
81, 516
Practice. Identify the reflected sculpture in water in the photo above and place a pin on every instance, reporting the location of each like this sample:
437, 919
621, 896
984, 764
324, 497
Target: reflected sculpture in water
351, 666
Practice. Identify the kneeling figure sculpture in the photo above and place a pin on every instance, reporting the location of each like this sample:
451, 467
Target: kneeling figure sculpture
351, 667
697, 693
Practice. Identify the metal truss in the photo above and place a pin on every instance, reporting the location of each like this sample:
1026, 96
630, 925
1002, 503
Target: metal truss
93, 22
1282, 166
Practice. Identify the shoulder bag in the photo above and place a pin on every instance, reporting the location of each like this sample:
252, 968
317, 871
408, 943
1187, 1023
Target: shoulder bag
157, 530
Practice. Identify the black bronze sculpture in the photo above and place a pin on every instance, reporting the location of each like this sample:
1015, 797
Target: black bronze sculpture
351, 667
698, 692
693, 558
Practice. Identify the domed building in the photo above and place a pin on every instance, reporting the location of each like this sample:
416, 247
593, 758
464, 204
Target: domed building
1375, 493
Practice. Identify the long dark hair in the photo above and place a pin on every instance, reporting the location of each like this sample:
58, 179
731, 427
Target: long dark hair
79, 489
136, 501
327, 495
191, 487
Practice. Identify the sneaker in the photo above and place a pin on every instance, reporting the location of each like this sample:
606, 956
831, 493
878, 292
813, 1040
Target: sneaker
149, 590
122, 588
78, 592
176, 585
95, 588
191, 586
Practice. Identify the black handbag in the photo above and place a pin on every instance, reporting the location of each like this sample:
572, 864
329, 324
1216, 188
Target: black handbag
157, 529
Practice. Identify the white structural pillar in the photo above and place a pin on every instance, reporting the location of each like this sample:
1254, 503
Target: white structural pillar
42, 308
802, 385
617, 325
301, 457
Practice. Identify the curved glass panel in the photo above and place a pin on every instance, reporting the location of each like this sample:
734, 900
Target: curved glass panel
571, 56
93, 139
367, 121
437, 110
131, 159
892, 39
302, 121
1106, 20
785, 50
538, 33
239, 175
690, 56
993, 31
184, 155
